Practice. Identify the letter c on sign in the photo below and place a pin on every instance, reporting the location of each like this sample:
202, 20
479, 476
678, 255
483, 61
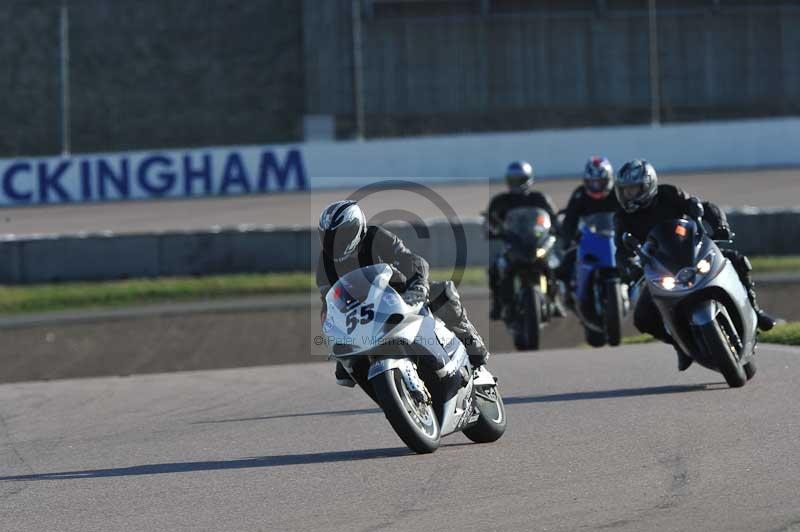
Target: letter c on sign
12, 193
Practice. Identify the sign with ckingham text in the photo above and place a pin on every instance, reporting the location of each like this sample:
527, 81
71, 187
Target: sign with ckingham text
150, 175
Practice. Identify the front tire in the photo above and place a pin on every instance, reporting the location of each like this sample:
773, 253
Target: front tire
526, 336
721, 351
750, 369
491, 422
614, 311
415, 423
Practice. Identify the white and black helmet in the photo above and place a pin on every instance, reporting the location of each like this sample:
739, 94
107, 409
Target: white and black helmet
637, 185
342, 225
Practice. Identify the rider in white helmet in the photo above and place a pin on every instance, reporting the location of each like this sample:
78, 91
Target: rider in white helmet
348, 243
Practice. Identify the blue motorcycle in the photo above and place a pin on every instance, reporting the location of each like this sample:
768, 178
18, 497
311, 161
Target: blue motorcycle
600, 299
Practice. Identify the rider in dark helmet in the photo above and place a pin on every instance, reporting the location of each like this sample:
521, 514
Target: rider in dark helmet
519, 178
595, 195
348, 243
644, 204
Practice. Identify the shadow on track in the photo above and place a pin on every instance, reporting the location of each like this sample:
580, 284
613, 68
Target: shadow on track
245, 463
301, 414
610, 394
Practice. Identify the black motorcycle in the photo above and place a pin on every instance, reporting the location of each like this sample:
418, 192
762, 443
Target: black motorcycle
530, 267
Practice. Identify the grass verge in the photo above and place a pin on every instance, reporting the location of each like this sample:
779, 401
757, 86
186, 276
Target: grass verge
67, 296
110, 294
783, 334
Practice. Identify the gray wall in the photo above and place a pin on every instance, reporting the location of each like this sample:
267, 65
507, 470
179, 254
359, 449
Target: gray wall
174, 73
151, 74
527, 65
28, 77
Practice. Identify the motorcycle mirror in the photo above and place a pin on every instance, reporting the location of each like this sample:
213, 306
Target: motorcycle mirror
630, 241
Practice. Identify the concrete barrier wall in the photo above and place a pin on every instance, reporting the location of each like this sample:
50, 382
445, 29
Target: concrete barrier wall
267, 249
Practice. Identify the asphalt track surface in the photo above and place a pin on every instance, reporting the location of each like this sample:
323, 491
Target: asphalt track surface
762, 188
597, 440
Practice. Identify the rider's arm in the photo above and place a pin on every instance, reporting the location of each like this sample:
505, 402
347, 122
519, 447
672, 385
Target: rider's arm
413, 266
494, 215
712, 214
624, 257
323, 283
717, 219
571, 214
550, 207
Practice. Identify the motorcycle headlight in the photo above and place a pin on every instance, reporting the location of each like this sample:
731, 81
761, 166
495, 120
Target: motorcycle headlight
540, 252
687, 277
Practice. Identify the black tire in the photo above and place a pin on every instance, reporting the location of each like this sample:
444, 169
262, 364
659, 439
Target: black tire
594, 338
720, 350
614, 311
526, 337
394, 399
491, 422
750, 369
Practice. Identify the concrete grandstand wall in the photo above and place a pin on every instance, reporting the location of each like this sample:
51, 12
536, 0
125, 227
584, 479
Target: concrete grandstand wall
672, 147
59, 258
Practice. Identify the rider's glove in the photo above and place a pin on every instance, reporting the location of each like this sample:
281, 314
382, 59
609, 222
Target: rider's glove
632, 270
416, 293
723, 233
695, 209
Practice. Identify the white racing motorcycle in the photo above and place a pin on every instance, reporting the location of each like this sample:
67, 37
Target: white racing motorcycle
409, 363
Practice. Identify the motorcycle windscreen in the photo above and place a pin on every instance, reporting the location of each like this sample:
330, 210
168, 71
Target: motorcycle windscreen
674, 243
355, 286
527, 226
601, 223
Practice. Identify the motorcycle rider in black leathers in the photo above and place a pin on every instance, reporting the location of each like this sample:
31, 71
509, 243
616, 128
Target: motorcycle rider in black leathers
644, 204
594, 196
348, 243
520, 180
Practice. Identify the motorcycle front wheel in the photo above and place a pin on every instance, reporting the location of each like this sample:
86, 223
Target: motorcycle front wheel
414, 422
723, 352
529, 319
614, 311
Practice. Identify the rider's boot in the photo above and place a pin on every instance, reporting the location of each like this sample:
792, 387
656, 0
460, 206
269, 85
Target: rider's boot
558, 307
472, 340
743, 267
566, 290
496, 310
765, 321
342, 377
446, 305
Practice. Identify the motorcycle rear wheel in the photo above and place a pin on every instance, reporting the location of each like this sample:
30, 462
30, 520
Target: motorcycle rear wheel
415, 423
491, 422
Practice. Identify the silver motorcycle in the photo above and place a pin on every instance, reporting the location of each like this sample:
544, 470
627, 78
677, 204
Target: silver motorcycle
700, 297
408, 362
